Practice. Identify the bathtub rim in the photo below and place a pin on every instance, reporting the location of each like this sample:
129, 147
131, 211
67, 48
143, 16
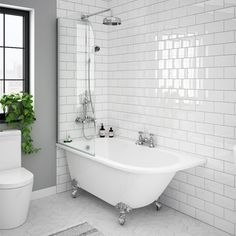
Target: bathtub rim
197, 160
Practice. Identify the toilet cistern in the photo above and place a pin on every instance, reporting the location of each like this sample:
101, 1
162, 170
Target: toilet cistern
15, 182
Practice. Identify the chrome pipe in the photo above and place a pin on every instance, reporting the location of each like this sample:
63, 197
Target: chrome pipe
84, 17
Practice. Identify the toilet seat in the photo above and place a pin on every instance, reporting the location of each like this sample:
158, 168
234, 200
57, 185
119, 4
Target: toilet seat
15, 178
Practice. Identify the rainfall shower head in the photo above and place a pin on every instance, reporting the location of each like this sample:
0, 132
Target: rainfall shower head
112, 20
109, 20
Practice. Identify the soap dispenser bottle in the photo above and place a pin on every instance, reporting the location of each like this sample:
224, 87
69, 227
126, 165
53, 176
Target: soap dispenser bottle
111, 133
102, 131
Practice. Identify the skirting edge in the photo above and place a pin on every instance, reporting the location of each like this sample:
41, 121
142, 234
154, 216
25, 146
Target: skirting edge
45, 192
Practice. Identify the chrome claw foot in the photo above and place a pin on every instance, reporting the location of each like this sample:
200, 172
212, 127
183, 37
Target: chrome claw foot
124, 209
122, 219
158, 205
75, 188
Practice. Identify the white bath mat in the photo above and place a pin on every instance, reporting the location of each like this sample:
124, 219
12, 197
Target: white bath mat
83, 229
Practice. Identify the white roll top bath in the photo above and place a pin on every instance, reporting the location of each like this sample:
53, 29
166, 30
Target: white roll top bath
10, 149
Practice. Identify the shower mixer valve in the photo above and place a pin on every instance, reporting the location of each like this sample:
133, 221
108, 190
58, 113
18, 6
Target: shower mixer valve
85, 118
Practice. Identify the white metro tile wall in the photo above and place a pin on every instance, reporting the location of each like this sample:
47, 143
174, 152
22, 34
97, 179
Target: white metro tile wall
71, 73
172, 73
168, 69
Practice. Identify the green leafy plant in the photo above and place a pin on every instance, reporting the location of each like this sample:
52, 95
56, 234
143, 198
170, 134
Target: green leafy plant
19, 114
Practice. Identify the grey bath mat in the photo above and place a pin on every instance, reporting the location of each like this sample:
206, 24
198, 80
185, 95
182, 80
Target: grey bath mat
83, 229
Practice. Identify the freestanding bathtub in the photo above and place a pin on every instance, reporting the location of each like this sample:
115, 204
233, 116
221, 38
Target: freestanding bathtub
124, 174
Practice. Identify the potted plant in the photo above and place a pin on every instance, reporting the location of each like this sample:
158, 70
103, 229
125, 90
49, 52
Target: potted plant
19, 114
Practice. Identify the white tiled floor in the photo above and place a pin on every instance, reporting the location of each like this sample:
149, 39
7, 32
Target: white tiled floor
51, 214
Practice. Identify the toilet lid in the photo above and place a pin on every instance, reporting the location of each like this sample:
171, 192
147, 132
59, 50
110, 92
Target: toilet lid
15, 178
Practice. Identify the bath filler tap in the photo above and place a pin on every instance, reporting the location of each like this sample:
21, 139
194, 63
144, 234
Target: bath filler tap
143, 140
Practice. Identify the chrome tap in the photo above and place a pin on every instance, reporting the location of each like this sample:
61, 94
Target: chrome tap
140, 138
151, 141
143, 140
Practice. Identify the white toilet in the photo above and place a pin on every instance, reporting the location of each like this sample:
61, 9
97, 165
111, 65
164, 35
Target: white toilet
15, 182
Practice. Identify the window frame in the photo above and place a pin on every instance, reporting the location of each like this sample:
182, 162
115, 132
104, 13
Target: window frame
26, 48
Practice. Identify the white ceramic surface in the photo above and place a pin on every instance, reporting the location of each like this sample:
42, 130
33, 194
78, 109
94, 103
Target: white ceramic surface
10, 146
14, 206
15, 178
124, 172
15, 182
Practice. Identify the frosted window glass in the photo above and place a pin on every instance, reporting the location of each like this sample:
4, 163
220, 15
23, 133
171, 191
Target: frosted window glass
1, 63
14, 31
13, 63
13, 86
1, 29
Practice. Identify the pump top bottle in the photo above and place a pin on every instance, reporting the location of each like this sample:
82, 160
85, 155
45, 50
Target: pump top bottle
111, 133
102, 131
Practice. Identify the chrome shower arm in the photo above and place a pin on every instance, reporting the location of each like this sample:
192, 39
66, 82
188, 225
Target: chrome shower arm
83, 17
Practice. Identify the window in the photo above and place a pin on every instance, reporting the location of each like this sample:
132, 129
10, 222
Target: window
14, 51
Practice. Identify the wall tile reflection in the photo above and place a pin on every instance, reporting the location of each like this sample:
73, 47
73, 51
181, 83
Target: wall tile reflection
172, 72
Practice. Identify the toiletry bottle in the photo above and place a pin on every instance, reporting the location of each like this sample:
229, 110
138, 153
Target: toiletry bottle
67, 139
111, 133
102, 132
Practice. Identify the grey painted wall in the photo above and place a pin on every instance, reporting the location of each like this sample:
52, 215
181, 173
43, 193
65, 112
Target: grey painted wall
43, 164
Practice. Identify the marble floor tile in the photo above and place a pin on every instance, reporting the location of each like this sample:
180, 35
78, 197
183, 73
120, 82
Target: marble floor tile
51, 214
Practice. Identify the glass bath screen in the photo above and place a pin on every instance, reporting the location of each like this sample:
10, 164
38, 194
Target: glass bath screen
76, 84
